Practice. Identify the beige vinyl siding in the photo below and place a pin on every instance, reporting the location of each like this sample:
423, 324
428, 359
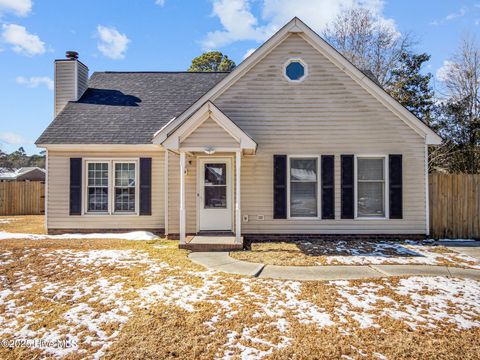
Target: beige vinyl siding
209, 133
82, 81
65, 89
59, 191
71, 81
327, 113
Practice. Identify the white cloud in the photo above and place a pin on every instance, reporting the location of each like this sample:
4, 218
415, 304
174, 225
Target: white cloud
35, 81
112, 43
248, 53
442, 73
12, 138
455, 15
239, 23
452, 16
17, 7
160, 2
21, 40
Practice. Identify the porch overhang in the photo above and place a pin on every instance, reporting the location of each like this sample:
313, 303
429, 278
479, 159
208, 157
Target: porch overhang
241, 141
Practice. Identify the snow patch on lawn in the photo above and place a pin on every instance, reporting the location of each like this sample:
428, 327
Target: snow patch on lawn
410, 253
133, 235
6, 220
118, 258
432, 301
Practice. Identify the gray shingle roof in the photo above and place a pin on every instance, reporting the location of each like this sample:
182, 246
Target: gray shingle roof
127, 107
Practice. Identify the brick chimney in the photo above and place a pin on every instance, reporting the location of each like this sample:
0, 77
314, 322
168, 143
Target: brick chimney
71, 78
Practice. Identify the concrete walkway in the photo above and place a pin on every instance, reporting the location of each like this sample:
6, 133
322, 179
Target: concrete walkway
221, 261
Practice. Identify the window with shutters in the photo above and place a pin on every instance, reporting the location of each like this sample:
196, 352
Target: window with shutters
111, 186
371, 187
303, 187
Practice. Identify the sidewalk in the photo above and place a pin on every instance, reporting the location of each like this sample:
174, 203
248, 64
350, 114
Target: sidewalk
222, 262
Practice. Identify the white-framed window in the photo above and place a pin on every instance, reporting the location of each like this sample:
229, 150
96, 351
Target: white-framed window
295, 70
97, 187
371, 185
125, 185
111, 186
303, 184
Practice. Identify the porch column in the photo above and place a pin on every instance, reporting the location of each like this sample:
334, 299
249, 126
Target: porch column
237, 198
182, 197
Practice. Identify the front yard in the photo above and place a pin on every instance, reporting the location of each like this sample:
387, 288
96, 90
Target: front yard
353, 252
113, 298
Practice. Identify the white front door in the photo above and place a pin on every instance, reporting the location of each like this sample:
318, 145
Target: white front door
215, 194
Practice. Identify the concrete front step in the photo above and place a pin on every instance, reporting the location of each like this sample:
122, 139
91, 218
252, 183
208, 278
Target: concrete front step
212, 243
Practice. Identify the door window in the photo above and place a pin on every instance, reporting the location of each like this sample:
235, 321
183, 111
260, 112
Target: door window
215, 186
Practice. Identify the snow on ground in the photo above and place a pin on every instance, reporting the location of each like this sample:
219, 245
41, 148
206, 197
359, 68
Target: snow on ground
6, 220
431, 301
94, 307
133, 235
410, 252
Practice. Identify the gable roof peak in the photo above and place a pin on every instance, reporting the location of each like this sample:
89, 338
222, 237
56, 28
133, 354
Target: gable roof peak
297, 26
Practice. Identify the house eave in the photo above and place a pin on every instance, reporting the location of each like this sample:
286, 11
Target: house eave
101, 147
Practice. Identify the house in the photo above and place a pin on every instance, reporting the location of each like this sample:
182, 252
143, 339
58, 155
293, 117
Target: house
23, 174
295, 142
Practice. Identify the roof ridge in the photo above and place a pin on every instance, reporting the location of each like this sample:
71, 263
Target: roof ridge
161, 72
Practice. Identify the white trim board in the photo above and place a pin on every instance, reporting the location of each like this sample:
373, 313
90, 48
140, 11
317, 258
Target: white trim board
298, 27
101, 147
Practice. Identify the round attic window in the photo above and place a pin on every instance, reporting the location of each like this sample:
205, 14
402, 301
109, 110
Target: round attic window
295, 70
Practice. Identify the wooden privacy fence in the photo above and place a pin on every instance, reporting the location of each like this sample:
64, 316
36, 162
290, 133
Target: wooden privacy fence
454, 205
22, 198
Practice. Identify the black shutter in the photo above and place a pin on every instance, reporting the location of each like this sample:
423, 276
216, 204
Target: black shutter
279, 186
75, 186
347, 178
328, 187
395, 186
145, 186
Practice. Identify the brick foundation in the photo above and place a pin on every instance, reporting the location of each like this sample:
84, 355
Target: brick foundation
211, 247
177, 236
159, 232
251, 238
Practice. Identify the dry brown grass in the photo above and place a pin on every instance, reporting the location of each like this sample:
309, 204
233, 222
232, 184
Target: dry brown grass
393, 343
287, 254
326, 253
31, 224
161, 330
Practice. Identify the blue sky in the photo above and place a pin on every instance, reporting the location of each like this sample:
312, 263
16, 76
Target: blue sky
166, 35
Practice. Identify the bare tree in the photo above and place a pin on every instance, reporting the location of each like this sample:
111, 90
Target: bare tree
458, 119
461, 77
368, 42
